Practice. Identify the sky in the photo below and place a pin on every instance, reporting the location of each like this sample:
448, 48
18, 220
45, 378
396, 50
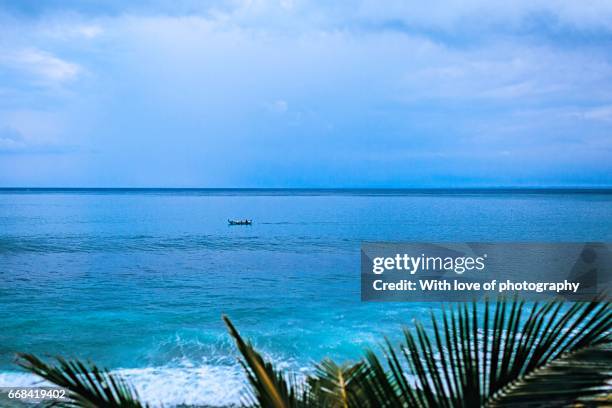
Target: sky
289, 93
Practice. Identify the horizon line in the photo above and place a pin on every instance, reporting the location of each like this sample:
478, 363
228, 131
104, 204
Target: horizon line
555, 188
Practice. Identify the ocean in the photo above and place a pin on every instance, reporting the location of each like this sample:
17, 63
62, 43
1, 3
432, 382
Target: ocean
137, 280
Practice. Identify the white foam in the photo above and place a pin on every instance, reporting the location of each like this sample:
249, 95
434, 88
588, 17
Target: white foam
168, 386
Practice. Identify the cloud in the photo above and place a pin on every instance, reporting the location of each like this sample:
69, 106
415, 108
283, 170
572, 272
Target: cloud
600, 113
30, 131
89, 31
342, 85
450, 16
73, 29
42, 66
451, 20
278, 106
453, 14
11, 140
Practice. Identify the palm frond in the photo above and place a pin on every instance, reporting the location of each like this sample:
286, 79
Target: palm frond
470, 357
575, 376
270, 388
88, 386
335, 386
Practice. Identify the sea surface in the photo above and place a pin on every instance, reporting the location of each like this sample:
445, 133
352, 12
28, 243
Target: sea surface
137, 280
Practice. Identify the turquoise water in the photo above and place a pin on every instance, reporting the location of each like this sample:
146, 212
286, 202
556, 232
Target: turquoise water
137, 280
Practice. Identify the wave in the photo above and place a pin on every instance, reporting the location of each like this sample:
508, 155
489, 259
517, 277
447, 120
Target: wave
140, 243
123, 244
208, 385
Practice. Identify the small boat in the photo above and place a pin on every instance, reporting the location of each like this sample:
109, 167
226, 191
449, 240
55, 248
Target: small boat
240, 222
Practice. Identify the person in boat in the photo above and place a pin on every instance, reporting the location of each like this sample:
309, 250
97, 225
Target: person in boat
240, 222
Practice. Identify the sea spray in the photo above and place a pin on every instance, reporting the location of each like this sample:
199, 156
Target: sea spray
208, 385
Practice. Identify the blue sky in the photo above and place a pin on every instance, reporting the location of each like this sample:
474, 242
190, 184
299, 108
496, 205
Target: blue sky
305, 94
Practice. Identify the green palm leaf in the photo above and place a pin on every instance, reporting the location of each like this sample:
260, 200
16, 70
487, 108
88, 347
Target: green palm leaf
88, 386
471, 357
576, 376
336, 386
270, 388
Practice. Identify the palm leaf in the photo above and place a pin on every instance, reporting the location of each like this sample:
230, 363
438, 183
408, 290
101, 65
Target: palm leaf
270, 388
471, 358
335, 386
576, 376
88, 386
